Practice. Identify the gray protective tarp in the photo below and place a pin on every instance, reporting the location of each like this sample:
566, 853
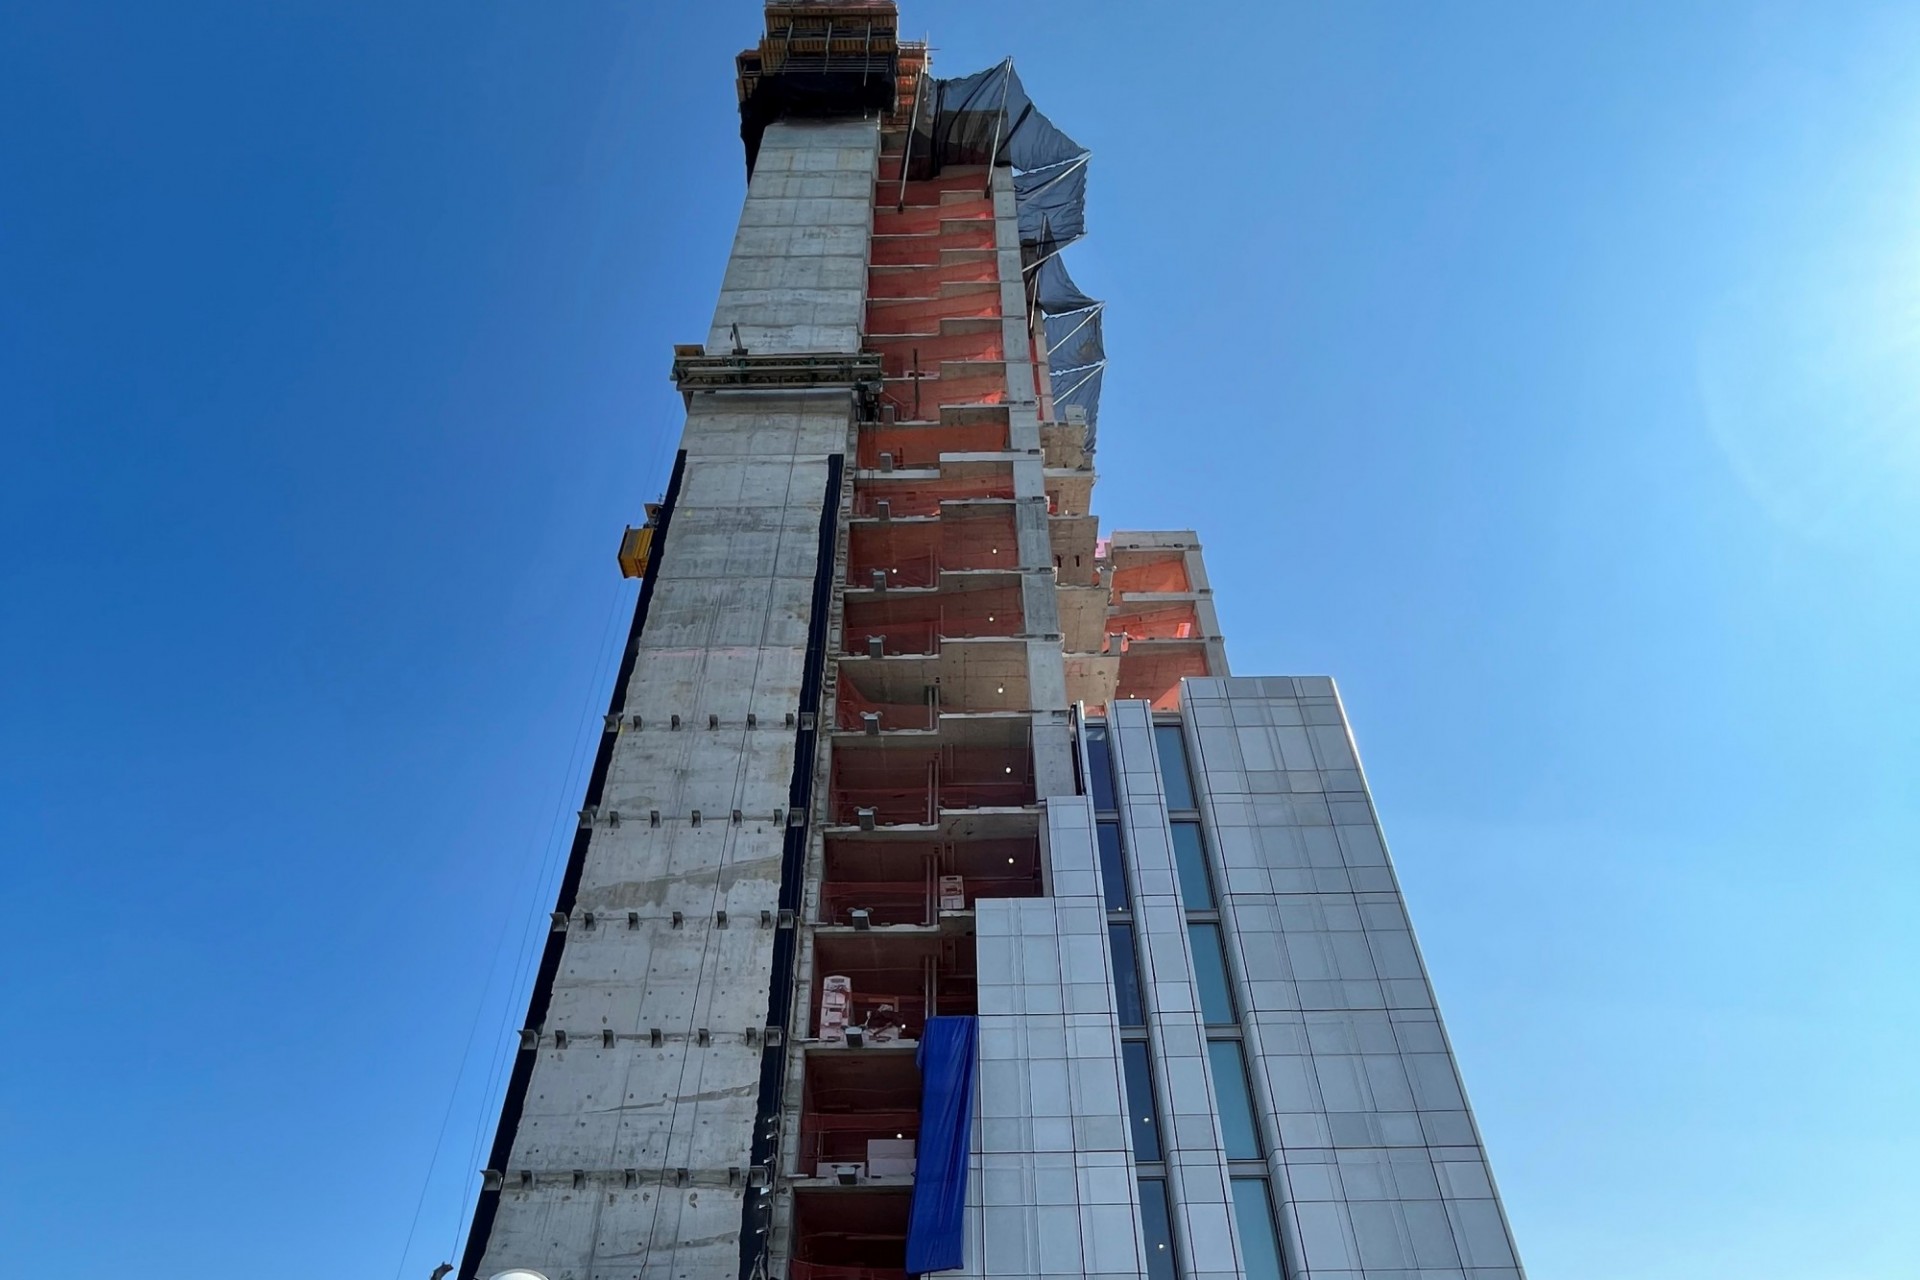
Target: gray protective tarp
1074, 340
1080, 387
1052, 203
987, 118
1055, 290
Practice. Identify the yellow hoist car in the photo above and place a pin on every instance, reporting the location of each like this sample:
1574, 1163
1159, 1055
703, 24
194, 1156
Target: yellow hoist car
636, 545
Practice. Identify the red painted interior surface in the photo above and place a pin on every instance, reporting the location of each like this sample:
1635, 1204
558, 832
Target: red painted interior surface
856, 1235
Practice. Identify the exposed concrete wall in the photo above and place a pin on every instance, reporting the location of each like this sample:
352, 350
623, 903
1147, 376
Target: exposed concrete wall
1200, 587
595, 1189
797, 278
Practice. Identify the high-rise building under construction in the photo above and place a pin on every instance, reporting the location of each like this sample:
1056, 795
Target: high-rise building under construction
939, 900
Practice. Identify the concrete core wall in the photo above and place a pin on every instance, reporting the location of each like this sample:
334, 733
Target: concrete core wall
628, 1160
797, 278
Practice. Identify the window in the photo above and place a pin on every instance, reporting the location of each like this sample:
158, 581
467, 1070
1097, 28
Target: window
1126, 976
1100, 767
1235, 1104
1113, 874
1253, 1215
1173, 765
1210, 974
1140, 1108
1190, 860
1158, 1224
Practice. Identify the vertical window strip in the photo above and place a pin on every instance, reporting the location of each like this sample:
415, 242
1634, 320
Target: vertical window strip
1256, 1230
1233, 1100
1190, 861
1210, 975
1141, 1111
1156, 1221
1113, 868
1100, 768
1126, 976
1172, 748
1253, 1218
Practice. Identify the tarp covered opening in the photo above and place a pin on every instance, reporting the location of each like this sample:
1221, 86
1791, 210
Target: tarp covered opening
987, 118
1075, 338
949, 1049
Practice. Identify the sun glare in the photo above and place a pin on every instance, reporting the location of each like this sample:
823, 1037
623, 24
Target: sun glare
1811, 385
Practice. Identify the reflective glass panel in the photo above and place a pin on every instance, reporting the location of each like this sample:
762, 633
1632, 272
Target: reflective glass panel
1173, 765
1100, 767
1158, 1224
1235, 1104
1140, 1108
1190, 860
1126, 976
1210, 974
1253, 1214
1113, 873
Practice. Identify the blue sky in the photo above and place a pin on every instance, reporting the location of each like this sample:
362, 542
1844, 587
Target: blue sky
1550, 375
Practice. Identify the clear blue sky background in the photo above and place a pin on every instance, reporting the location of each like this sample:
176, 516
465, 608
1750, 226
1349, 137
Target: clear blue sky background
1546, 373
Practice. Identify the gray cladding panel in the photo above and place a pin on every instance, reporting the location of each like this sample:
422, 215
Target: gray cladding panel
1196, 1153
1378, 1165
1052, 1188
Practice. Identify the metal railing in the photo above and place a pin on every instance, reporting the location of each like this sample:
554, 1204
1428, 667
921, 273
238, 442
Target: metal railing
842, 1139
885, 902
852, 707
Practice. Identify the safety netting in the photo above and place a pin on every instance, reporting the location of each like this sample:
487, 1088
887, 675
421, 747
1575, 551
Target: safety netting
1075, 340
988, 119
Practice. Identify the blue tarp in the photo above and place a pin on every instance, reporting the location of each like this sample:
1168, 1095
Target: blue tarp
989, 115
1055, 290
1074, 340
1052, 203
948, 1049
1080, 387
